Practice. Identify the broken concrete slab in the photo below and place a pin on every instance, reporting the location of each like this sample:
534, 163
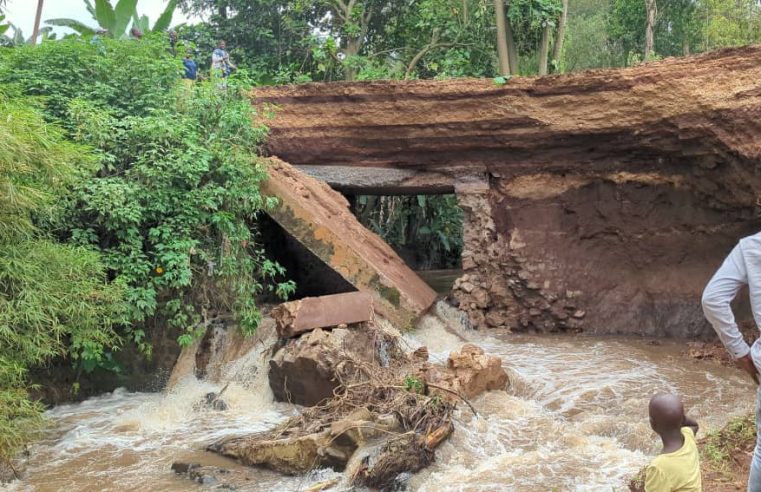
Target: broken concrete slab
296, 317
320, 219
292, 454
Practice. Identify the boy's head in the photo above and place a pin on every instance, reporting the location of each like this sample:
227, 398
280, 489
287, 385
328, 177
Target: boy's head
666, 413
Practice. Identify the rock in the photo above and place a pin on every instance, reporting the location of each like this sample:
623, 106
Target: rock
579, 314
296, 317
470, 372
401, 454
182, 468
213, 401
420, 355
324, 224
481, 296
467, 287
304, 371
332, 447
219, 478
495, 319
196, 472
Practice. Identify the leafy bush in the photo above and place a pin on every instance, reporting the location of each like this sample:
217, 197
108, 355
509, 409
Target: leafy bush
144, 214
173, 207
174, 201
125, 77
54, 299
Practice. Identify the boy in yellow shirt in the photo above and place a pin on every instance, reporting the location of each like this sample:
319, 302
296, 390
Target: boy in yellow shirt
677, 468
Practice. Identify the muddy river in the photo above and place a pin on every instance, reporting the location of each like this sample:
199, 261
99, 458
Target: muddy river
573, 418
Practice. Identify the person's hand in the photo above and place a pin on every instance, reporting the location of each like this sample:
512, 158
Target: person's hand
747, 365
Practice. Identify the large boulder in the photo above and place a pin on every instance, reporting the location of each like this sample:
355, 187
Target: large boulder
308, 369
468, 373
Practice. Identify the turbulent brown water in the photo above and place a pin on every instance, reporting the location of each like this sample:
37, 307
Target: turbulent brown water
574, 418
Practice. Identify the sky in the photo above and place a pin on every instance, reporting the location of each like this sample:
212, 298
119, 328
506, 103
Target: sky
21, 12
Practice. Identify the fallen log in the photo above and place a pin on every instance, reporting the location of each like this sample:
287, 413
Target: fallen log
435, 438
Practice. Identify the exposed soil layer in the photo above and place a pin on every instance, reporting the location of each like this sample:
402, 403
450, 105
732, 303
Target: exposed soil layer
601, 201
700, 111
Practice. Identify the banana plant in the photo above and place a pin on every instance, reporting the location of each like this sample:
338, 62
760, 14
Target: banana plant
115, 19
3, 27
18, 39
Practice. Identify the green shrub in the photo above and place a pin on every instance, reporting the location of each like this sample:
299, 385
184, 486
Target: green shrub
54, 299
173, 203
125, 77
141, 208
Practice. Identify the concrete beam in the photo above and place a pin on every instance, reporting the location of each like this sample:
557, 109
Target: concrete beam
381, 181
297, 317
319, 218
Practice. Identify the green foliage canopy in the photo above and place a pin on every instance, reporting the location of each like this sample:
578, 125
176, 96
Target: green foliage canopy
173, 203
115, 19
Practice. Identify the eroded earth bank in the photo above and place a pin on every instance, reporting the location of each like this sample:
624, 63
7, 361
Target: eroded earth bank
600, 201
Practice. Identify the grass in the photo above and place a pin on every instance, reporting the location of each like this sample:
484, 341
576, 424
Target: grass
725, 454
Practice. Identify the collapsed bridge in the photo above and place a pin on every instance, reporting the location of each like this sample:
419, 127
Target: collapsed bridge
600, 201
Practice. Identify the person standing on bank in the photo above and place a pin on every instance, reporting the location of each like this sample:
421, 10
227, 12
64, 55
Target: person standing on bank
220, 61
191, 67
742, 267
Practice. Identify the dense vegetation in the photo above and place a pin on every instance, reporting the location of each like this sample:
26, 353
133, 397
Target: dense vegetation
298, 40
128, 199
54, 298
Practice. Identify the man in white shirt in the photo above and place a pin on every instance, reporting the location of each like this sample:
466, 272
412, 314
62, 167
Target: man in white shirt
742, 267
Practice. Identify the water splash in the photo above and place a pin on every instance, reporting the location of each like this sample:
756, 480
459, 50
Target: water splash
574, 418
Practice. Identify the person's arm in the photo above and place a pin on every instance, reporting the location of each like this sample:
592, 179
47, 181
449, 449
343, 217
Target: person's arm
229, 63
717, 298
692, 424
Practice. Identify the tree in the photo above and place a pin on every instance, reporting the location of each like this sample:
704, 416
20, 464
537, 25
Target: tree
502, 42
37, 17
115, 20
652, 13
544, 48
557, 49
